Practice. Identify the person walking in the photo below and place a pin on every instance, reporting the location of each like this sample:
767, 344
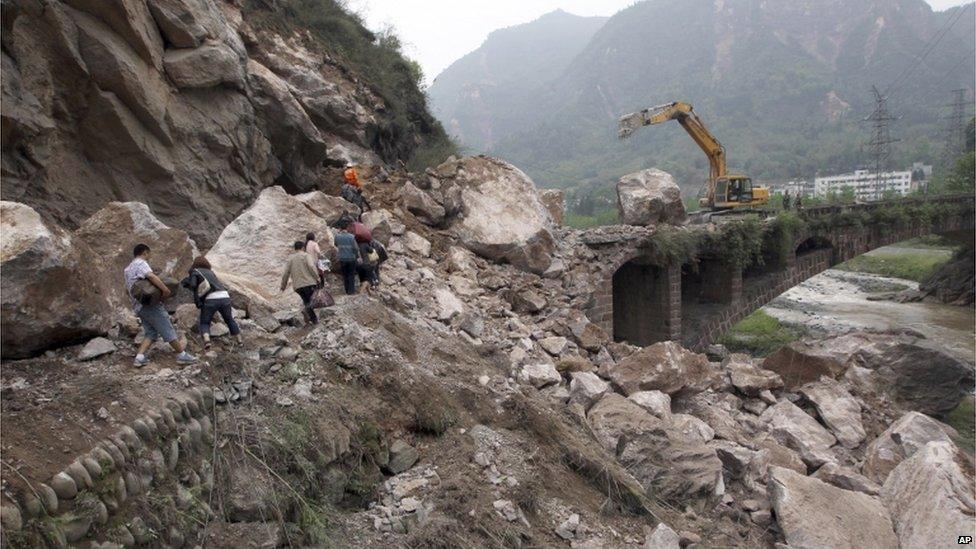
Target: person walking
368, 264
211, 297
348, 255
799, 201
786, 200
352, 191
300, 269
155, 320
383, 256
312, 249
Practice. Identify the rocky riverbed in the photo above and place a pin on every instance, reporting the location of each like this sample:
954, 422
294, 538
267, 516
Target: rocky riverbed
838, 302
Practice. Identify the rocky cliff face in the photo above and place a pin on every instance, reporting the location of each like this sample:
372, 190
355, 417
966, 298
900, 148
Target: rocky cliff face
191, 107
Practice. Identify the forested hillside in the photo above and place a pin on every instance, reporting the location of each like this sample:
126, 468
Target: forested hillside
784, 85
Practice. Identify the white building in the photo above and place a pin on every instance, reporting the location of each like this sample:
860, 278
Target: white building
867, 185
795, 188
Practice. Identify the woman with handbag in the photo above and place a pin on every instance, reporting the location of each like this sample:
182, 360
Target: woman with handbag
211, 297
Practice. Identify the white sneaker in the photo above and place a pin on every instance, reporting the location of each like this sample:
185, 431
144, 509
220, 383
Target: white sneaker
185, 358
139, 363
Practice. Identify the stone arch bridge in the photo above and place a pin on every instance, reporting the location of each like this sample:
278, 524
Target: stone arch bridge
643, 300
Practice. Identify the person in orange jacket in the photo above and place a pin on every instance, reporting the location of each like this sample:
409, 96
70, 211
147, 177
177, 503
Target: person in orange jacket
352, 191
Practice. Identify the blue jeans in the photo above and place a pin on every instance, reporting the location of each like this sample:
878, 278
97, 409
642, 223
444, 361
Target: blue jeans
214, 306
156, 323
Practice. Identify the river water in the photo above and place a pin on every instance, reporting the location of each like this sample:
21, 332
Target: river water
836, 302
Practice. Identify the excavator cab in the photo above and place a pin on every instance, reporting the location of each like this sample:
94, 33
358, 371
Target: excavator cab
735, 191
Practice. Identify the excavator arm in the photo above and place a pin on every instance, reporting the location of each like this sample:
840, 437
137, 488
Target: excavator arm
685, 115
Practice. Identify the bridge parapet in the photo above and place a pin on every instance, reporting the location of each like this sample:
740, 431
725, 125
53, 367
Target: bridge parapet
695, 296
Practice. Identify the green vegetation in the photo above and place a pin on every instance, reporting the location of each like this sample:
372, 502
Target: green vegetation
600, 218
906, 264
759, 334
960, 177
963, 420
378, 60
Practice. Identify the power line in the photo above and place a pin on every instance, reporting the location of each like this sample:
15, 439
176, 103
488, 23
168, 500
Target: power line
955, 142
929, 48
955, 66
880, 143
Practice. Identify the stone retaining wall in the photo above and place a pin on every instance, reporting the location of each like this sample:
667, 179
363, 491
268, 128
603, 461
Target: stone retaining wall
160, 460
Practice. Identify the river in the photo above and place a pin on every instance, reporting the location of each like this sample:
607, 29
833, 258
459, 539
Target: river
836, 302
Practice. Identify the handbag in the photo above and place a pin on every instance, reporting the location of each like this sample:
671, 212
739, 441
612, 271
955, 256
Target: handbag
321, 299
204, 287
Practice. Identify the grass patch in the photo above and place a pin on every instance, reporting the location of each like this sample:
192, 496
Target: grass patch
963, 420
759, 334
597, 219
909, 266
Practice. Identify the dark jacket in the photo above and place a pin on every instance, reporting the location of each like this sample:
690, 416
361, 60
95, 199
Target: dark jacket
197, 276
346, 247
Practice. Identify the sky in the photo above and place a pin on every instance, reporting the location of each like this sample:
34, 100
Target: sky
438, 32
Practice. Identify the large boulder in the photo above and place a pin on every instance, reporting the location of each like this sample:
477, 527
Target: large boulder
45, 283
838, 409
930, 496
649, 197
420, 204
801, 362
672, 465
250, 253
499, 213
748, 378
666, 366
794, 428
813, 514
953, 282
614, 417
917, 374
112, 232
900, 441
328, 207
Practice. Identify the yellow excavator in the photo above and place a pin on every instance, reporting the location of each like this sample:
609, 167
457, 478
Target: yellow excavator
724, 191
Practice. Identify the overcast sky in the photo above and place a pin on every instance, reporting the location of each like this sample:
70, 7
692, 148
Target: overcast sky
438, 32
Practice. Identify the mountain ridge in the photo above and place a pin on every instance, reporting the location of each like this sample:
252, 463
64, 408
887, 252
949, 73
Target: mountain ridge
784, 87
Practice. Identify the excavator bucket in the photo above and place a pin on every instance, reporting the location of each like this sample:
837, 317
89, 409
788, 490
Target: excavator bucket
630, 123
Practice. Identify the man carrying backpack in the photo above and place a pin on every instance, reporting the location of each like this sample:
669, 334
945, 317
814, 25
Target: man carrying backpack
352, 191
155, 320
304, 279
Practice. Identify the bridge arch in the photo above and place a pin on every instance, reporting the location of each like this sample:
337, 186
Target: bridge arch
638, 300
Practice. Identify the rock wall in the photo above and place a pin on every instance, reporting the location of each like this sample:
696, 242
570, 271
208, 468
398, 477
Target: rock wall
183, 106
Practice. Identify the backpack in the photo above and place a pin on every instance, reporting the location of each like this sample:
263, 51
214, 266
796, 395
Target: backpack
203, 288
361, 232
381, 250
